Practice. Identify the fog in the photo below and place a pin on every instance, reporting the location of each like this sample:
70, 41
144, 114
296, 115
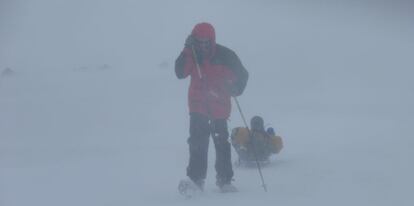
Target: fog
91, 112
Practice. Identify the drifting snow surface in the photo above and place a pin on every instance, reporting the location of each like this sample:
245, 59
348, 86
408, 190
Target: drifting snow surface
94, 115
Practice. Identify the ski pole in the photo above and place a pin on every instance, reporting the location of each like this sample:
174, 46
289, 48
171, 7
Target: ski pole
196, 61
254, 148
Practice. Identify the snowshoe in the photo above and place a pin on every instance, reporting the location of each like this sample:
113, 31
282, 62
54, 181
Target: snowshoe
189, 189
228, 188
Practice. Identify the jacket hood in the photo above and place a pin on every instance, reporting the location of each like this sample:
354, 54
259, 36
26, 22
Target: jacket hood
205, 30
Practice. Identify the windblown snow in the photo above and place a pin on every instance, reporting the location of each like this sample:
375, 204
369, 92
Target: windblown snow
91, 112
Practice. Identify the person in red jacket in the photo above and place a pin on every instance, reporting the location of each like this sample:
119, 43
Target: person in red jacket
216, 74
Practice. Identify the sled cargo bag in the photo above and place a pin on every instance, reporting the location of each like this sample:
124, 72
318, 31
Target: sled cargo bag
276, 144
240, 138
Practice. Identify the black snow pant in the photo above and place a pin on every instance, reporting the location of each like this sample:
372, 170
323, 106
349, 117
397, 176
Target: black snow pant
200, 129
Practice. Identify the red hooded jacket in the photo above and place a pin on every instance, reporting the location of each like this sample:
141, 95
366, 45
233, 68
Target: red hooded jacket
222, 76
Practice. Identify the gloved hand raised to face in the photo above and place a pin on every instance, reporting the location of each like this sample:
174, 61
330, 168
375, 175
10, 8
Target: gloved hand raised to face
189, 42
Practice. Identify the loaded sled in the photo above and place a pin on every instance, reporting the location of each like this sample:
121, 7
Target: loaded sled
255, 144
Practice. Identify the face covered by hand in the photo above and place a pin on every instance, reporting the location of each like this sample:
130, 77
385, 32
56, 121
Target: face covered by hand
204, 39
203, 46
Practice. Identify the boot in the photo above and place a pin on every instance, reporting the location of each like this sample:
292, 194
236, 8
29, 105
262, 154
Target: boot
225, 186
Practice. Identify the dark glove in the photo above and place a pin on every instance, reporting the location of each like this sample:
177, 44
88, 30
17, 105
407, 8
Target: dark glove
189, 42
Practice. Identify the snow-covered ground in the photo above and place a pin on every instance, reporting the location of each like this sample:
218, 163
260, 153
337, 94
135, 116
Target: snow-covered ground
94, 115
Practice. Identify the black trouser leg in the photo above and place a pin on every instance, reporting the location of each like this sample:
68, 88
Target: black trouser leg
198, 144
223, 153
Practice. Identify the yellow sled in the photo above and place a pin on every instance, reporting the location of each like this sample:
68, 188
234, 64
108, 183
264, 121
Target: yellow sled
264, 143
